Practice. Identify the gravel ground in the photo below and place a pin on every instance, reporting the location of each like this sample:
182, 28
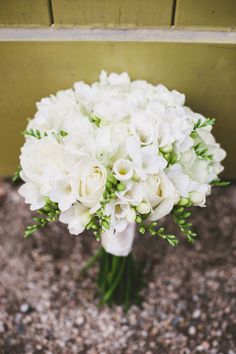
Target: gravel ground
188, 305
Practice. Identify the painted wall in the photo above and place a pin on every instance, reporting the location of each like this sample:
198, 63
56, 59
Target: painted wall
32, 70
29, 71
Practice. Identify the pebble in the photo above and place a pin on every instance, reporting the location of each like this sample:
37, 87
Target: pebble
196, 314
183, 308
79, 320
203, 346
24, 307
2, 329
192, 331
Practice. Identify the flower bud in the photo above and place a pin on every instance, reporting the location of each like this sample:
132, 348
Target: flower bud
197, 197
111, 178
121, 187
141, 229
143, 208
183, 201
138, 219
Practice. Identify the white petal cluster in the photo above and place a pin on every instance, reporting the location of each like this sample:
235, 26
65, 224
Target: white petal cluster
128, 128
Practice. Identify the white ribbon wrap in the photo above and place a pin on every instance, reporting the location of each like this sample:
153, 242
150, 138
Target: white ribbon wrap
119, 243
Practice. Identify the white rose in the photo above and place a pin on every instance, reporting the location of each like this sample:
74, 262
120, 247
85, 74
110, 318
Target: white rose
143, 208
88, 182
161, 195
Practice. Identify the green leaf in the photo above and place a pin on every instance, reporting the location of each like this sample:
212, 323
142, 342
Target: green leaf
200, 124
50, 213
180, 215
219, 183
16, 176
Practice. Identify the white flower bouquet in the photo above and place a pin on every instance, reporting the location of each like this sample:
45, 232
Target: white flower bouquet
114, 154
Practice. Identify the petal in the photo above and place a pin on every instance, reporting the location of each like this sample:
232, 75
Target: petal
162, 209
133, 149
32, 196
119, 243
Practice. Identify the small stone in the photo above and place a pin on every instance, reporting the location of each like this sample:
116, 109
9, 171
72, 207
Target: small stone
196, 314
24, 307
203, 346
2, 329
79, 320
192, 331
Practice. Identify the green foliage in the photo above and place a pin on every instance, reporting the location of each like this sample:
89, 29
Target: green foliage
50, 213
200, 124
16, 176
62, 133
202, 151
35, 133
101, 222
94, 119
180, 214
154, 231
200, 148
171, 157
219, 183
39, 135
169, 154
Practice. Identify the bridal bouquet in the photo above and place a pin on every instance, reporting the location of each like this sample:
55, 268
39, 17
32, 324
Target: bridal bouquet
112, 155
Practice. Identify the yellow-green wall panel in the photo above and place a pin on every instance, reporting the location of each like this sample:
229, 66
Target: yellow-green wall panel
206, 13
112, 13
29, 71
24, 13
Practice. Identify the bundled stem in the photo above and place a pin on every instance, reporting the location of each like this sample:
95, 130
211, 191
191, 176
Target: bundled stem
119, 280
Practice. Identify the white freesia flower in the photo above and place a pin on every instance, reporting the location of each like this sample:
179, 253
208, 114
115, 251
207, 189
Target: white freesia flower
61, 189
123, 169
114, 79
142, 127
186, 187
120, 214
112, 109
88, 179
32, 195
145, 159
77, 217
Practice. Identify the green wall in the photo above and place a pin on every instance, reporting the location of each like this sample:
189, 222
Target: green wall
31, 70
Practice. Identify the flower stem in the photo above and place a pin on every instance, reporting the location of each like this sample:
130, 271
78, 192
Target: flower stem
119, 280
91, 261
